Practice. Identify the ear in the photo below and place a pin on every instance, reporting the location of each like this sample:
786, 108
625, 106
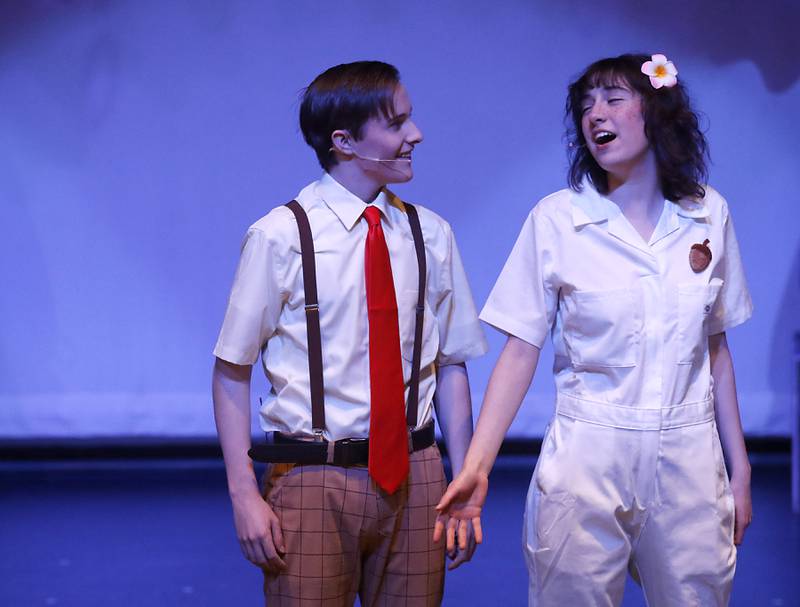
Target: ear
341, 142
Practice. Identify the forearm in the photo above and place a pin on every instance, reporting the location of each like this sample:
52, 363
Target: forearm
231, 393
508, 385
726, 407
454, 411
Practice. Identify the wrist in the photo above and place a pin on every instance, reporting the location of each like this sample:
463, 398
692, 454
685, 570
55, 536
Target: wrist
476, 466
243, 488
740, 471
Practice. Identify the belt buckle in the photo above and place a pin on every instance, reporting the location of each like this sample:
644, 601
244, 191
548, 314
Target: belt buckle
344, 455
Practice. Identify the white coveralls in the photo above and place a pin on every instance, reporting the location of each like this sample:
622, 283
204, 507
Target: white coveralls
631, 473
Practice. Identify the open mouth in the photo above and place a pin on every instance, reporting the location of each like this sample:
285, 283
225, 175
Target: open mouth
603, 137
405, 156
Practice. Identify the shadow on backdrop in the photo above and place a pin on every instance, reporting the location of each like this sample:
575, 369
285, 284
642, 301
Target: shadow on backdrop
724, 32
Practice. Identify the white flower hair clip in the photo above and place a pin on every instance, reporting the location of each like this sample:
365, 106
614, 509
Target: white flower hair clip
661, 70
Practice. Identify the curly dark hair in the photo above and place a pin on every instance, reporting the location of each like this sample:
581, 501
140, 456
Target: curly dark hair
670, 125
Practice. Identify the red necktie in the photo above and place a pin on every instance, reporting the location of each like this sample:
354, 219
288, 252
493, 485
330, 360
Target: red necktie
388, 436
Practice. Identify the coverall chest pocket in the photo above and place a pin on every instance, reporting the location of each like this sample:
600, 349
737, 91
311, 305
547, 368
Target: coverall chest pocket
406, 312
601, 328
695, 303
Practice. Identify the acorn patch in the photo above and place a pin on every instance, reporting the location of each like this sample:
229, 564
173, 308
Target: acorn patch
699, 256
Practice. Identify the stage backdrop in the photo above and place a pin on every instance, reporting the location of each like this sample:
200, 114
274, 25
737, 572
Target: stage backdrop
139, 139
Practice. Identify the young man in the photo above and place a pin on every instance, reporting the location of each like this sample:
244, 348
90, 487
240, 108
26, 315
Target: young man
347, 507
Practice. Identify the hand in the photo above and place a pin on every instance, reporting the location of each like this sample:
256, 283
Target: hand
459, 555
743, 508
259, 532
460, 511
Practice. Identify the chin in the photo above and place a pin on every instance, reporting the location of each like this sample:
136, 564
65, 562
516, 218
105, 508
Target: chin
612, 165
400, 177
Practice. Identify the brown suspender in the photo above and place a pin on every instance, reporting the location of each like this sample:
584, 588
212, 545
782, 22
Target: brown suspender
419, 246
312, 318
313, 333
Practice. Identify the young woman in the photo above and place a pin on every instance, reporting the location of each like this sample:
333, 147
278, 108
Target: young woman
635, 273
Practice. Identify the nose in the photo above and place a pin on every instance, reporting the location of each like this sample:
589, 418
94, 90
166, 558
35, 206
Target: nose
414, 134
596, 113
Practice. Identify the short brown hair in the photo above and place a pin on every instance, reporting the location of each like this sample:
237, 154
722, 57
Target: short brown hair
345, 97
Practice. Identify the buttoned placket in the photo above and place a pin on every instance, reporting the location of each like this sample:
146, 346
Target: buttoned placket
652, 289
667, 225
652, 292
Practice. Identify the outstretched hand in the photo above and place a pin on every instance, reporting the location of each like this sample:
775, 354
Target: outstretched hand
459, 513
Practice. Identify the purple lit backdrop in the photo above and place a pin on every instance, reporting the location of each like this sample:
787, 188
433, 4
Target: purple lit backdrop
140, 139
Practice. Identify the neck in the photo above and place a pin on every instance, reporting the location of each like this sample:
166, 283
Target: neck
347, 174
636, 188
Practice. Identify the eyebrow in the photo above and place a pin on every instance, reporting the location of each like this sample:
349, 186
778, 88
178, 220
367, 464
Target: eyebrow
396, 117
608, 88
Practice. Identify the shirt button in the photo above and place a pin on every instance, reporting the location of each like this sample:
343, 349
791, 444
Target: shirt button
708, 308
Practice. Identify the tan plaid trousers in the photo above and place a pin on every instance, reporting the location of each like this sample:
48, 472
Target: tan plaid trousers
346, 537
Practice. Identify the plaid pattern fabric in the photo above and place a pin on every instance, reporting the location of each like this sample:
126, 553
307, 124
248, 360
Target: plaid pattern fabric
346, 537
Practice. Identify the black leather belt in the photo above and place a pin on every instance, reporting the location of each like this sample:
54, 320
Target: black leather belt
344, 452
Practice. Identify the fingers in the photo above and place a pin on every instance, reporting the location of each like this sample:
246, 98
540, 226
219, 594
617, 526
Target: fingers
452, 524
454, 529
477, 530
742, 516
457, 529
466, 545
277, 535
266, 549
265, 555
738, 530
740, 525
253, 552
438, 528
463, 527
276, 565
276, 562
461, 557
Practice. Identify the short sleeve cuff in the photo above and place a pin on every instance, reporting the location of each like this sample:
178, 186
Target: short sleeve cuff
714, 328
512, 326
463, 344
234, 356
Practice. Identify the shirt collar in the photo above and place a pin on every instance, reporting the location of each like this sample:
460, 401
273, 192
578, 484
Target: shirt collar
689, 207
347, 206
589, 206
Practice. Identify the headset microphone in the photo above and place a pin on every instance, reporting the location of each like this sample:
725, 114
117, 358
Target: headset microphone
357, 155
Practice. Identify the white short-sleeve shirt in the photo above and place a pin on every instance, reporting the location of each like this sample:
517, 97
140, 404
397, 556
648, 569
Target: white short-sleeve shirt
266, 313
629, 319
